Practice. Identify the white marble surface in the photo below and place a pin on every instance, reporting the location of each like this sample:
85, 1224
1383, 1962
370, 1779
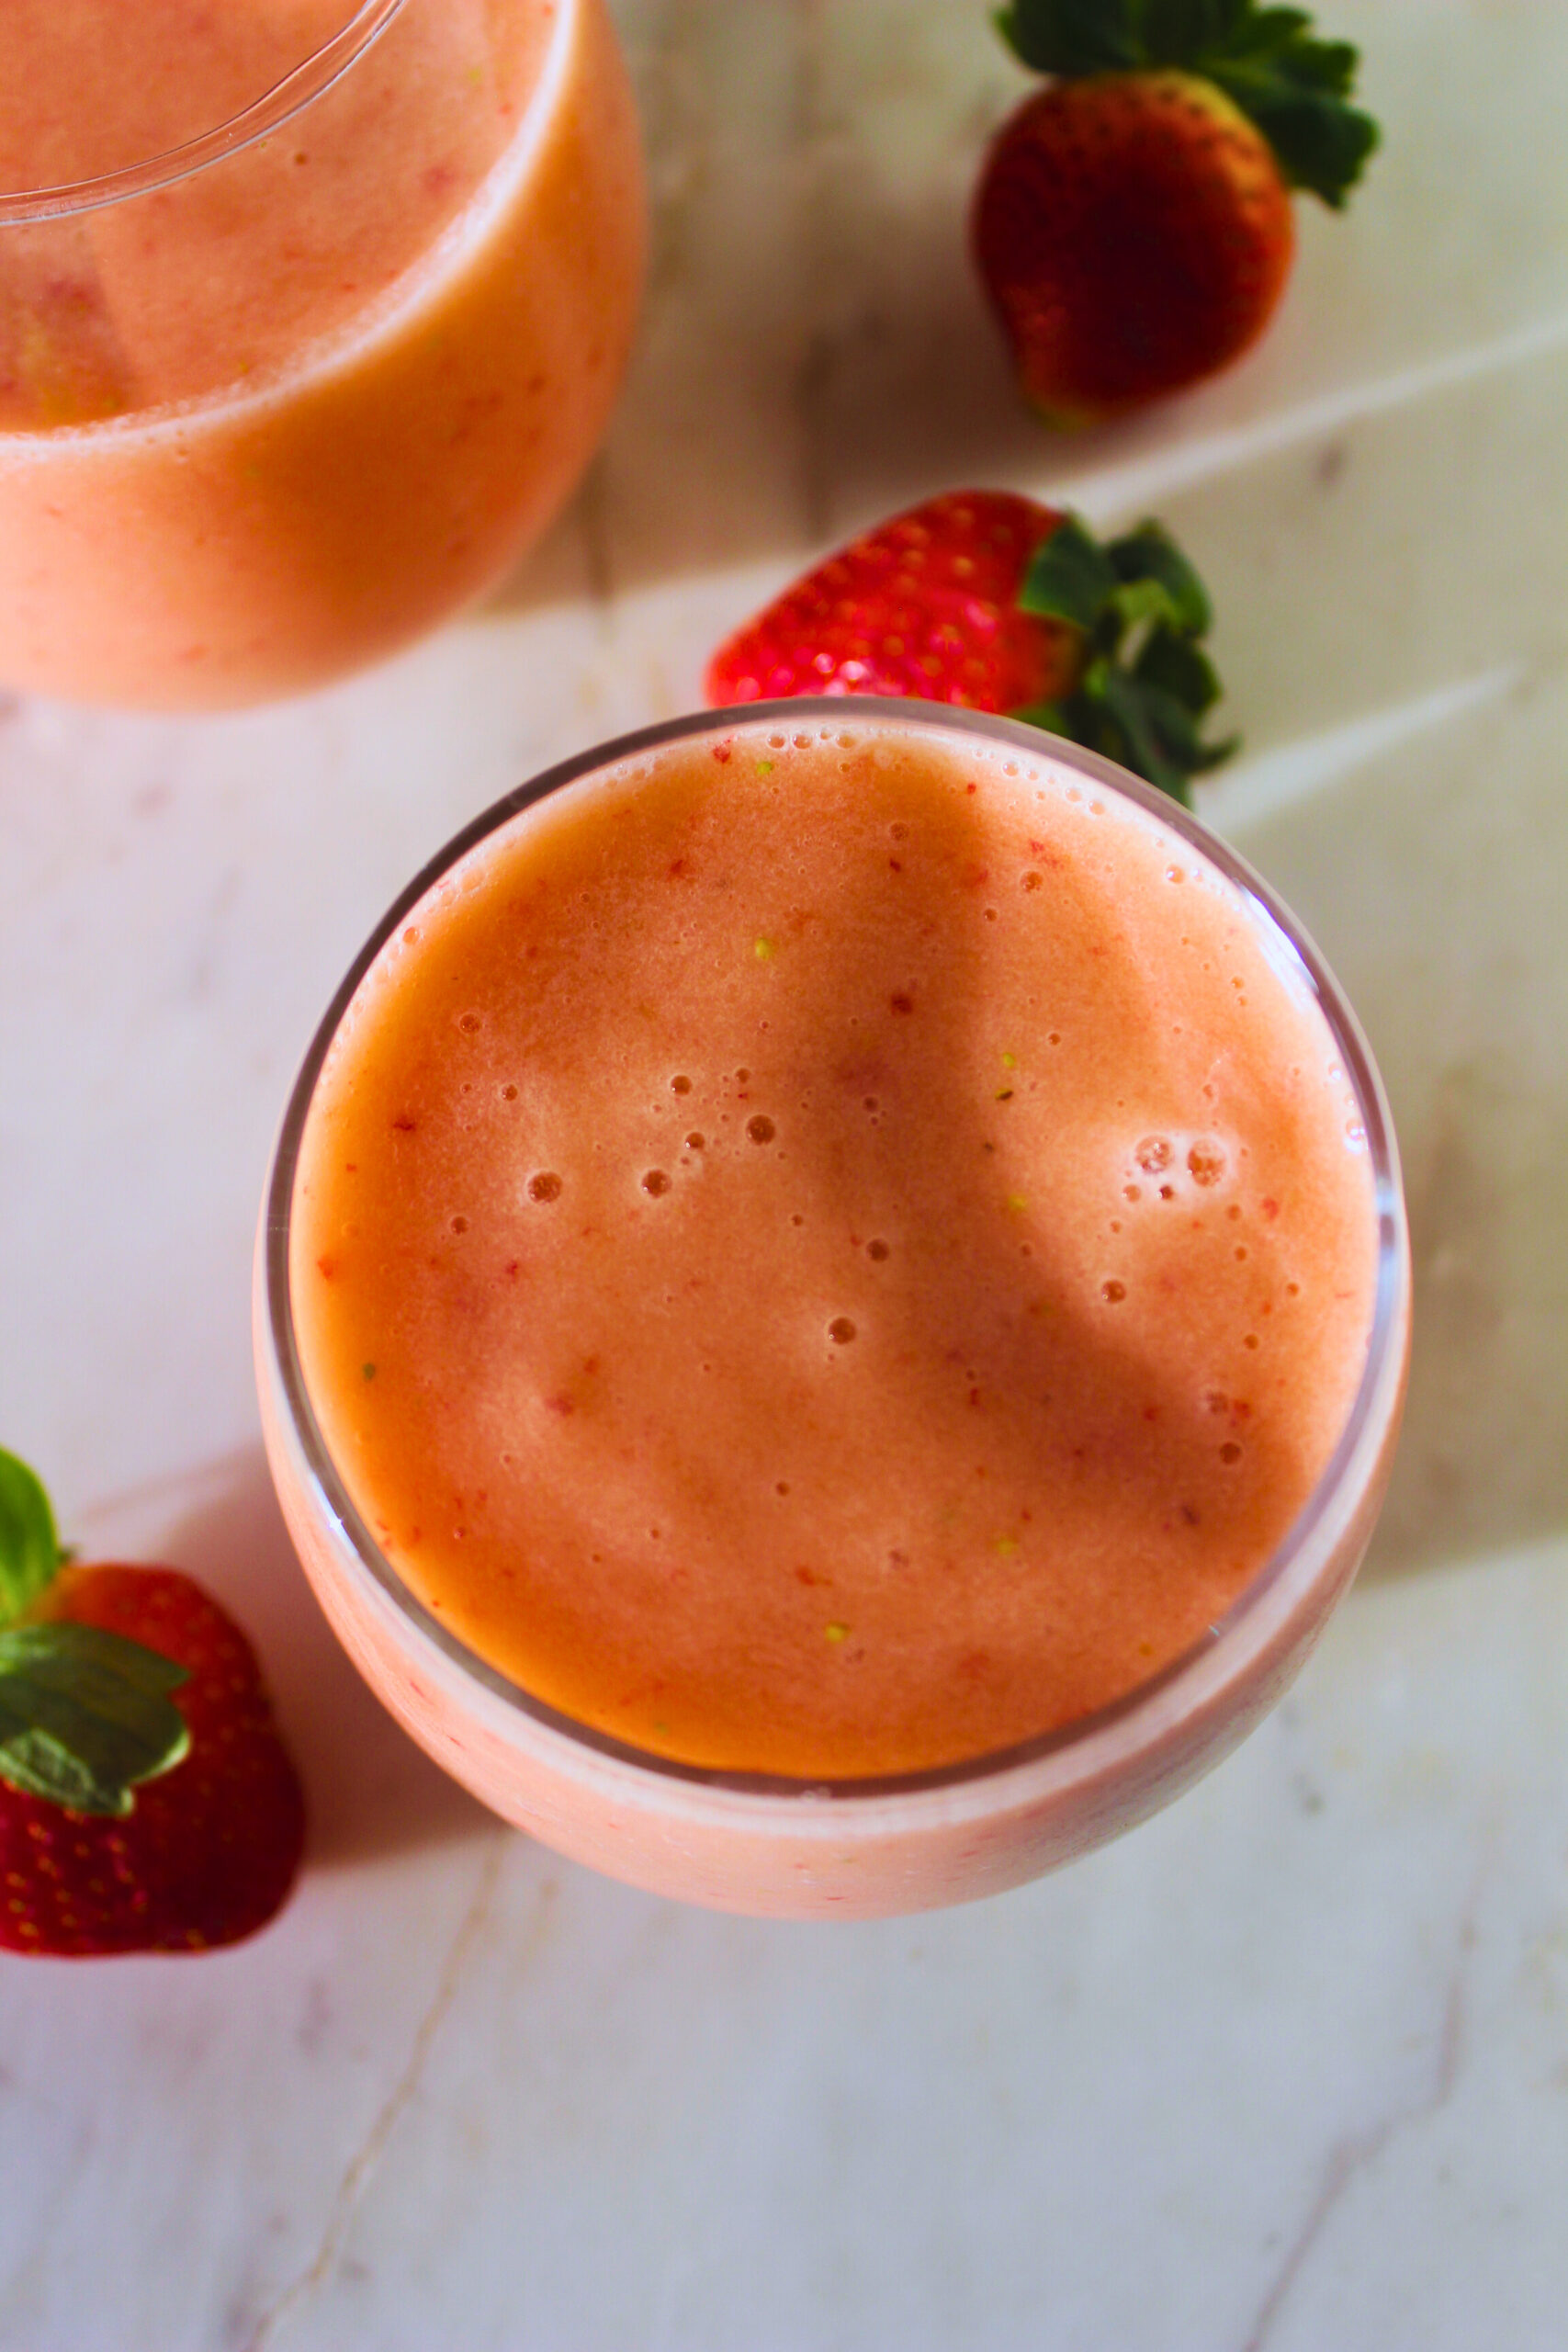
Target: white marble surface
1289, 2067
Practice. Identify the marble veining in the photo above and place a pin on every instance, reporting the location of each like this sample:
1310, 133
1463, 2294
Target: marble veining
1356, 2154
362, 2164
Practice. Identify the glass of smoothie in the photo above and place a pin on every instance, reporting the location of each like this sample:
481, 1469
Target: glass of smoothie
310, 317
832, 1307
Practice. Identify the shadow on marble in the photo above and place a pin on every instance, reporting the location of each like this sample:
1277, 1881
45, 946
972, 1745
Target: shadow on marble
868, 411
1388, 556
1434, 879
371, 1791
816, 350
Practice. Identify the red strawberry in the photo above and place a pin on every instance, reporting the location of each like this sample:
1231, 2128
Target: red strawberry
147, 1803
991, 601
926, 604
1133, 224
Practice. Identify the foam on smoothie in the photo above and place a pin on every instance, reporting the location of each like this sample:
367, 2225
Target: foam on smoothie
828, 1253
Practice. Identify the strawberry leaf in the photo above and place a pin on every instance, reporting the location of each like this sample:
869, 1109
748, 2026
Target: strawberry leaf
1144, 747
1070, 578
1146, 600
1051, 718
1174, 729
1267, 61
1146, 682
85, 1714
1150, 553
1286, 33
29, 1548
1179, 668
1071, 36
1172, 31
1321, 143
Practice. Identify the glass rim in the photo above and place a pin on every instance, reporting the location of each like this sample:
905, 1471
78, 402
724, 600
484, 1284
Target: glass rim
287, 97
1374, 1405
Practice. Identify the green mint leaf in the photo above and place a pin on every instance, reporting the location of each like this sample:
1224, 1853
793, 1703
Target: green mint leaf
39, 1765
1150, 553
85, 1714
1071, 36
29, 1548
1070, 578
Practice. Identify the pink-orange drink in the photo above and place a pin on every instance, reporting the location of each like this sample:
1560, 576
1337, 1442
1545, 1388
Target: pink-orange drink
833, 1306
306, 329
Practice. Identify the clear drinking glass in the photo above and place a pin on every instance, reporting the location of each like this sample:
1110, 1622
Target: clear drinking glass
856, 1848
307, 326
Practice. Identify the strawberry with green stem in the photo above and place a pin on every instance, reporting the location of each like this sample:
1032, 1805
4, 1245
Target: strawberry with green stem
147, 1803
990, 600
1134, 225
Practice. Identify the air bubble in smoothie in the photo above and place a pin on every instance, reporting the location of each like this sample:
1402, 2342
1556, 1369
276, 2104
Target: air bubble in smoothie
985, 1384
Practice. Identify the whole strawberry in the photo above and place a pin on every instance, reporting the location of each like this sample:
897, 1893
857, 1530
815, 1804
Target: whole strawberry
147, 1803
990, 600
925, 604
1134, 225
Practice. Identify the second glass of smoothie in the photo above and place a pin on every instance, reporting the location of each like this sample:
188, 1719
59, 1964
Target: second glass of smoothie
306, 327
833, 1304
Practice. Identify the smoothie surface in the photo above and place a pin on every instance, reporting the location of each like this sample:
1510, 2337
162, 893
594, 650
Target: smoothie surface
832, 1252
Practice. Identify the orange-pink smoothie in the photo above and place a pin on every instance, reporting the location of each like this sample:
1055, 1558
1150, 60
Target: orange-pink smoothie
273, 420
830, 1252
